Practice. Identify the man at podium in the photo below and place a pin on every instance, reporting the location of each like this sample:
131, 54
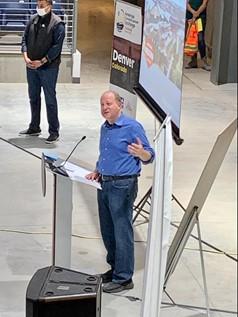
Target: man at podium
123, 147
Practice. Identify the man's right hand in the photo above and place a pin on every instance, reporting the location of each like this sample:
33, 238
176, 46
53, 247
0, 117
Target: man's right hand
94, 176
195, 15
28, 61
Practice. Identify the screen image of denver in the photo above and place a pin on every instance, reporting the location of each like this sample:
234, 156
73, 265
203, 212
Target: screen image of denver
162, 54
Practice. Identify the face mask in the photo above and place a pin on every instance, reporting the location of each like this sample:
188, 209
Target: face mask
41, 12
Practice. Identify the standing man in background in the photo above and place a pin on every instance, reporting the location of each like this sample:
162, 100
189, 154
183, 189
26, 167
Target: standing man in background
123, 146
197, 9
41, 47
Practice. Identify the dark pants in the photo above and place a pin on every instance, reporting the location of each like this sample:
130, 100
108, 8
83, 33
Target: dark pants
201, 40
47, 79
115, 203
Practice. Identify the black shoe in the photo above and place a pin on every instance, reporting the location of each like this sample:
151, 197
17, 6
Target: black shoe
52, 139
106, 277
116, 287
30, 132
191, 64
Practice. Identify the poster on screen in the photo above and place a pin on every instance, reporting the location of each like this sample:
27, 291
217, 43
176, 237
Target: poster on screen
161, 68
126, 53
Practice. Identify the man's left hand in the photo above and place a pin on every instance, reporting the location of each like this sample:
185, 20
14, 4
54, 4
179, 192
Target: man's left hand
36, 64
137, 150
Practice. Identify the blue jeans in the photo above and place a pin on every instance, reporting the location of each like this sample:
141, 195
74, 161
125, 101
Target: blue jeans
115, 203
47, 79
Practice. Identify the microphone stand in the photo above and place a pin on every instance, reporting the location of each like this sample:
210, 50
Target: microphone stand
60, 163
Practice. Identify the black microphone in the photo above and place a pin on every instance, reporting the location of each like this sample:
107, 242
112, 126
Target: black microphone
60, 163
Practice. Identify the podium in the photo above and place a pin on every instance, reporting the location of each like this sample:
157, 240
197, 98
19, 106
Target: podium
62, 212
57, 291
64, 174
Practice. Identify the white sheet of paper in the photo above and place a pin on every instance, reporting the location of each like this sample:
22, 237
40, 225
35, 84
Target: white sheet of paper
78, 173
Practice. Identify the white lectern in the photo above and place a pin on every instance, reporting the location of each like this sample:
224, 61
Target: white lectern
62, 221
62, 213
64, 174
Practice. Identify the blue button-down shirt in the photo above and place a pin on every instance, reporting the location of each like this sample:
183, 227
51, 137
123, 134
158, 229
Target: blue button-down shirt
114, 158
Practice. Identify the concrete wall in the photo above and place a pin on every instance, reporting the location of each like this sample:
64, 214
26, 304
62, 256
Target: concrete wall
13, 69
224, 51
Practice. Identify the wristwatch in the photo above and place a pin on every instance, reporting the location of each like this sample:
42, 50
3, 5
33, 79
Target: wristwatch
43, 60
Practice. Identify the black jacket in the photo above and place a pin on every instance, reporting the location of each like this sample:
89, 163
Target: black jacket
40, 37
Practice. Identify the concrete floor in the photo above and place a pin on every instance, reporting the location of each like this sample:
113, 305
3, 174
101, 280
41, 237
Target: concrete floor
26, 217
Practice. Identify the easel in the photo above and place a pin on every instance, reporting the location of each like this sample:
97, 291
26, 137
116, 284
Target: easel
191, 216
202, 260
194, 219
159, 222
140, 210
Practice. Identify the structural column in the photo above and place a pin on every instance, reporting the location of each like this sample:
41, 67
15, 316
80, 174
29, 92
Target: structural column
224, 51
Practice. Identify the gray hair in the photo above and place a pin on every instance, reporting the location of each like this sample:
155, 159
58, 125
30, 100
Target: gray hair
116, 95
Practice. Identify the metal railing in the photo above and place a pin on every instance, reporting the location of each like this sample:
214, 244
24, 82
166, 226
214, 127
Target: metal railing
14, 15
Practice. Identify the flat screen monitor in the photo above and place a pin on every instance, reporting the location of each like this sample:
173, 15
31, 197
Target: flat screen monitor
161, 66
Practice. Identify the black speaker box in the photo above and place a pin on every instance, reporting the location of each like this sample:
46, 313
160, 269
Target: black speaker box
58, 292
